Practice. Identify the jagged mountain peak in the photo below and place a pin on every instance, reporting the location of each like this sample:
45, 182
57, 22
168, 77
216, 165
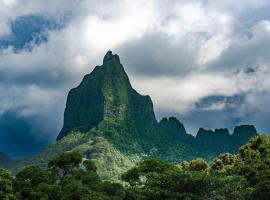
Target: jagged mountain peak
220, 131
173, 125
244, 130
109, 56
106, 94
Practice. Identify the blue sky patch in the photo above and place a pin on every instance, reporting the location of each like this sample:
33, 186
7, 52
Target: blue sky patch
29, 31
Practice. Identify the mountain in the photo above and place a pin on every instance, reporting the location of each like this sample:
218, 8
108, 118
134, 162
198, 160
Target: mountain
112, 124
106, 104
215, 141
4, 158
220, 140
106, 95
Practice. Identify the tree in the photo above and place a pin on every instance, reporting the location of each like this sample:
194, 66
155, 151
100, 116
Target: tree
254, 165
223, 164
28, 180
6, 190
65, 164
69, 177
152, 165
198, 164
74, 190
184, 165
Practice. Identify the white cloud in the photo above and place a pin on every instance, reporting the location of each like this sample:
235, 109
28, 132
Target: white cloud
177, 51
28, 100
181, 94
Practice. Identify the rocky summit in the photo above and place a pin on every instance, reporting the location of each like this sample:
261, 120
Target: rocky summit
106, 95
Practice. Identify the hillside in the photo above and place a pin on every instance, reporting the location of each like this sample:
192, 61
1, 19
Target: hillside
68, 176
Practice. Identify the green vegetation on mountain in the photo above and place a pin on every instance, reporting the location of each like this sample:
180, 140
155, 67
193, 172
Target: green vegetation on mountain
109, 122
106, 95
110, 162
106, 105
243, 176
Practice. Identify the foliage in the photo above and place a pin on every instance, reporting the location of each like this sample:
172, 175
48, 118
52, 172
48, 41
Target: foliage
171, 182
110, 161
223, 164
6, 190
254, 165
244, 176
68, 176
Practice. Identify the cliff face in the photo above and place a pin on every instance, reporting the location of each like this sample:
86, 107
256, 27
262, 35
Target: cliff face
106, 95
173, 125
175, 130
216, 141
241, 134
220, 140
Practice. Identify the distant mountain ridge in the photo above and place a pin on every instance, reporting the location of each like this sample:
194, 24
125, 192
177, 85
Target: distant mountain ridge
219, 140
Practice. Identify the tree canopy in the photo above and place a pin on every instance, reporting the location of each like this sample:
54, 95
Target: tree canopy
68, 176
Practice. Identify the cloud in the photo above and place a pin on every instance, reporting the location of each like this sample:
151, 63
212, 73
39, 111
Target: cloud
185, 92
179, 52
241, 101
190, 35
19, 139
250, 48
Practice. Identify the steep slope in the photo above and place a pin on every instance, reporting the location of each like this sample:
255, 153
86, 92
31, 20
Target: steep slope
241, 134
111, 162
106, 95
175, 130
216, 140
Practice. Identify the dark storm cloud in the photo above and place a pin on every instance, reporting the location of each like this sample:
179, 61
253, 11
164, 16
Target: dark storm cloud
184, 54
16, 136
234, 113
155, 54
212, 119
250, 50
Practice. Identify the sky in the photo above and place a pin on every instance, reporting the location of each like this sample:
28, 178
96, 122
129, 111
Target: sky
206, 62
